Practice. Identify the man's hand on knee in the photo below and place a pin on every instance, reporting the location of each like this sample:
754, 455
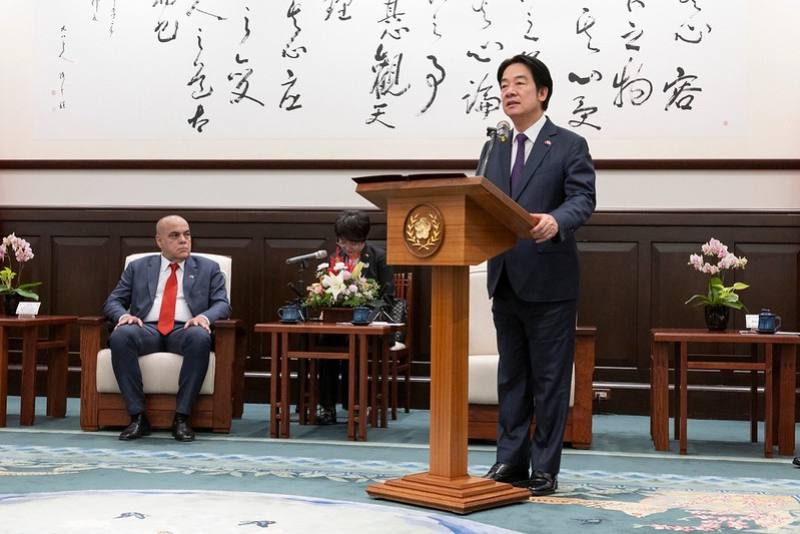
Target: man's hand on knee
201, 321
129, 319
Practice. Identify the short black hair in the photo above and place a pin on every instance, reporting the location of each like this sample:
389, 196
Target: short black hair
539, 72
352, 225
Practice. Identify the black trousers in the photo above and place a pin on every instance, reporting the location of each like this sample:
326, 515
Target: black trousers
536, 341
128, 342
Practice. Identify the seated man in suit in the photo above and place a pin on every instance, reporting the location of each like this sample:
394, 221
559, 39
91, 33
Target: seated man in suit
165, 302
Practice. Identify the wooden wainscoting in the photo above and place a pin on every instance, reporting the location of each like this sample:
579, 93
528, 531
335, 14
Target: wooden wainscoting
634, 277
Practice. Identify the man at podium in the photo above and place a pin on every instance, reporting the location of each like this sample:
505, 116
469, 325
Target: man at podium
548, 171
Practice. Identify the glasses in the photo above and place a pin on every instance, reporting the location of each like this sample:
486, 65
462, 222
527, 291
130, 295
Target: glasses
345, 243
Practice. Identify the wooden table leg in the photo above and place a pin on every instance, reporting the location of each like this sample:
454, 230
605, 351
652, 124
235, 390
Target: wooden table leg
768, 395
373, 388
354, 405
788, 367
57, 367
286, 409
754, 395
3, 375
362, 386
383, 350
28, 389
684, 393
676, 391
274, 386
659, 394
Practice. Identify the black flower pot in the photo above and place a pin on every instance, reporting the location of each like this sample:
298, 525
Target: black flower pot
10, 303
717, 317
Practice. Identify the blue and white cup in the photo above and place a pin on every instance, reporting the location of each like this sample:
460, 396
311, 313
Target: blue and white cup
291, 313
768, 322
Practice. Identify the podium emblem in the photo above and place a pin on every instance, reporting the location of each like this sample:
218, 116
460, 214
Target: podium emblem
424, 230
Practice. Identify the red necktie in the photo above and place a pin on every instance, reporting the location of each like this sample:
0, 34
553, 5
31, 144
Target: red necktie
166, 317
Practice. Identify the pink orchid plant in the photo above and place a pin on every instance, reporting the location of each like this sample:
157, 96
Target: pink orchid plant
339, 285
13, 249
720, 260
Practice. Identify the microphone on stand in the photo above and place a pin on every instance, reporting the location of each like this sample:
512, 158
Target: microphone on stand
501, 132
318, 255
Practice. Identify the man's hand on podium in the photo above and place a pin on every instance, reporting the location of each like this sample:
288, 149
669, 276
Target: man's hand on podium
545, 227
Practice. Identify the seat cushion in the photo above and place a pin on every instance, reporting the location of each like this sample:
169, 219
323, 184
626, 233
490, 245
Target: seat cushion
483, 379
160, 372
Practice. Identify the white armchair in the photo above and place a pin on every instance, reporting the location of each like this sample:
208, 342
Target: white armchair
220, 396
483, 358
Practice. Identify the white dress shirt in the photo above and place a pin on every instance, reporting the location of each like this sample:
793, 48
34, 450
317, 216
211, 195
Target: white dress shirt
182, 311
532, 132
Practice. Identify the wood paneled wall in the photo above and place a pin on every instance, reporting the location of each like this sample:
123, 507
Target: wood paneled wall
634, 277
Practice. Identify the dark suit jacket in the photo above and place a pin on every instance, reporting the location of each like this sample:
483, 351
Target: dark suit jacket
203, 288
558, 179
375, 260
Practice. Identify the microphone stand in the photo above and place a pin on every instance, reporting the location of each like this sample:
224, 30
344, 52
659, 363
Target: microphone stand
302, 265
492, 133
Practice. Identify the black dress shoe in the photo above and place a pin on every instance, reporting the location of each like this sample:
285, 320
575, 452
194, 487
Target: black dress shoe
796, 461
138, 427
508, 473
326, 416
181, 430
542, 484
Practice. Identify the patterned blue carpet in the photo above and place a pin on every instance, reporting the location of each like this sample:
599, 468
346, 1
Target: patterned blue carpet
724, 485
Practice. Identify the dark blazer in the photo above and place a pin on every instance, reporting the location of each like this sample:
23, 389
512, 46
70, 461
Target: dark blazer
374, 259
203, 288
558, 179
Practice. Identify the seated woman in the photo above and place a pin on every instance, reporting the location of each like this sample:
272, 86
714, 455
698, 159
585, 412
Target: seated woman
351, 229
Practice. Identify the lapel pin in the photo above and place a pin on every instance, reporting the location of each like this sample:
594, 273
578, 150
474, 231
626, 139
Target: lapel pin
547, 142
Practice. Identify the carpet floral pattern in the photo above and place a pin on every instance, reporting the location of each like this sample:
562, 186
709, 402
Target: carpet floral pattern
651, 501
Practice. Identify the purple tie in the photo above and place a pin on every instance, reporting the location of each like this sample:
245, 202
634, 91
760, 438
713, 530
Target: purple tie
519, 164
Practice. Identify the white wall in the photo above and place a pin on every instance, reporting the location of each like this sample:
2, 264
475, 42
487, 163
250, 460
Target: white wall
262, 189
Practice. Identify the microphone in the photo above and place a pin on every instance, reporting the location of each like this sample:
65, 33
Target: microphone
318, 255
501, 132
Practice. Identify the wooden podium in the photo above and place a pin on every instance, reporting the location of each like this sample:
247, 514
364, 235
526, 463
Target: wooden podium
449, 224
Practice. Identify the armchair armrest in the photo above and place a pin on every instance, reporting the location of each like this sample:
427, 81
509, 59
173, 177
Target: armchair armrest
230, 347
91, 320
91, 329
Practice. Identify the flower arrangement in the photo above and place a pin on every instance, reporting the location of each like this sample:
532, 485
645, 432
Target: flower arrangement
721, 260
12, 249
341, 285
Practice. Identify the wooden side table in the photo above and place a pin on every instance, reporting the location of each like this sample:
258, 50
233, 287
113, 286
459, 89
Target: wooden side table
357, 355
58, 348
781, 349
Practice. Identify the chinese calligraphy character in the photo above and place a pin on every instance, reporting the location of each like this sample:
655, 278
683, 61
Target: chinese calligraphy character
290, 101
332, 4
682, 95
433, 82
387, 74
377, 113
583, 24
595, 75
584, 112
694, 35
632, 37
479, 100
393, 20
197, 122
199, 78
639, 89
480, 7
